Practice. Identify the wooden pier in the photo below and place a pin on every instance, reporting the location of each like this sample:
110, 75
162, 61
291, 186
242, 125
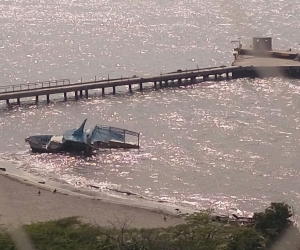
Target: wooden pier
249, 62
81, 89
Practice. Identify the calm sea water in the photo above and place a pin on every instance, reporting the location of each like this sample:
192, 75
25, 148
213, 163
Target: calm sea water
226, 145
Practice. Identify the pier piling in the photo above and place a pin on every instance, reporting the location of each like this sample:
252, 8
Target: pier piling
242, 67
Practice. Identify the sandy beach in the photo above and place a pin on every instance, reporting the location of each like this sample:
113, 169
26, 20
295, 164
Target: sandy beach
20, 204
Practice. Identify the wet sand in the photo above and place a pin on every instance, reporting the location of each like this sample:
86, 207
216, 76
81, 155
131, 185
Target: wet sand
20, 204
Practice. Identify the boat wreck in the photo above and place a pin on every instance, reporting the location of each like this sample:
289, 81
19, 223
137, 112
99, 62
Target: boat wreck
85, 141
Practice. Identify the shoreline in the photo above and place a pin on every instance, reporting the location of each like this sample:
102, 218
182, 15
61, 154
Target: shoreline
20, 203
133, 200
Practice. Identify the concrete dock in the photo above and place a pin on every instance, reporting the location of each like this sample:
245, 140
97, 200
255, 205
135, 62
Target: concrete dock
266, 61
250, 60
259, 60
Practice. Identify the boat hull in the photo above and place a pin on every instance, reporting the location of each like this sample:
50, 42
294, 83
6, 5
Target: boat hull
83, 141
39, 144
116, 145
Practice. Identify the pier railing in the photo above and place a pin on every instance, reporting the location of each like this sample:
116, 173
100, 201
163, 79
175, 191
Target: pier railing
34, 85
54, 83
194, 70
178, 78
63, 82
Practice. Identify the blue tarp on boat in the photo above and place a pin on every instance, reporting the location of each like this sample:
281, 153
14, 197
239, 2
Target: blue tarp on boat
78, 140
98, 134
106, 134
76, 135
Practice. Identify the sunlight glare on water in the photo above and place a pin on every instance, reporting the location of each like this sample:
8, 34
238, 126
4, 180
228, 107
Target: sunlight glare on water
222, 145
226, 144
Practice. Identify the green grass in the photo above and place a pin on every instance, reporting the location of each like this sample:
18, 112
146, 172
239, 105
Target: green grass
200, 232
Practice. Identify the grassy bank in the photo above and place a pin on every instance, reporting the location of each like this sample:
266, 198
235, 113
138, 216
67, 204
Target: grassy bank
201, 231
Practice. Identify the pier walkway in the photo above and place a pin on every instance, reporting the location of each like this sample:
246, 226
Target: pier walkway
257, 61
81, 89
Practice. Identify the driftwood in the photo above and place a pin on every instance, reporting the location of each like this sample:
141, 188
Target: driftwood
114, 189
93, 186
122, 192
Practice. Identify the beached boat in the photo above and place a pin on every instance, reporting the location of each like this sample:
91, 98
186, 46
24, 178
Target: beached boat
85, 141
